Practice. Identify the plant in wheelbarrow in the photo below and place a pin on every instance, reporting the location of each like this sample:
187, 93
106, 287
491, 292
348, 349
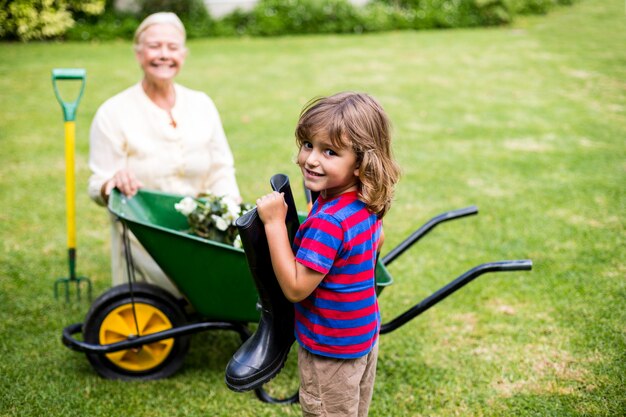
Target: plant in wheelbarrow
213, 217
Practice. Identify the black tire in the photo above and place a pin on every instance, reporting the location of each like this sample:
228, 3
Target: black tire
154, 361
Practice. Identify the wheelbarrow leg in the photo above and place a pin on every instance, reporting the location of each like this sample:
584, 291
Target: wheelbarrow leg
262, 395
263, 355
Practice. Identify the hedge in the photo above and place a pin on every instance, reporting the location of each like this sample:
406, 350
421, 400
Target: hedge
267, 18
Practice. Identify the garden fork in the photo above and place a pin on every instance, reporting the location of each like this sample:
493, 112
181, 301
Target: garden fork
69, 115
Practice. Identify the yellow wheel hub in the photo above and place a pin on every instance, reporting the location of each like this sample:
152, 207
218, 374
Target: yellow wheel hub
119, 324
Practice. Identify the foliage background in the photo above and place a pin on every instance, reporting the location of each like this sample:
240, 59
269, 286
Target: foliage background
99, 20
42, 19
527, 122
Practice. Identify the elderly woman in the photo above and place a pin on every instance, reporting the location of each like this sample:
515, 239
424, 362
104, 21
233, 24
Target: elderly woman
159, 135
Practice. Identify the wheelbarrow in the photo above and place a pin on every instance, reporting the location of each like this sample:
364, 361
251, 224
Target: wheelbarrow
138, 331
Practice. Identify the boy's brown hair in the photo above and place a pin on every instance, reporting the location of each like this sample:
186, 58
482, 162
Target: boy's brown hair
358, 121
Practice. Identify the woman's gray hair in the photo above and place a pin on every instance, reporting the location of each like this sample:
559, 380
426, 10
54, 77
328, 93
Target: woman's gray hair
159, 18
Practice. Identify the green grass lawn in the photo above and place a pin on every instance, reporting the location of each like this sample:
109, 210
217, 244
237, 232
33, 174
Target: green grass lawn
526, 122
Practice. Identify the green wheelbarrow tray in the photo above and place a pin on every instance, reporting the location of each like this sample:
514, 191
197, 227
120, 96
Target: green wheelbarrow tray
213, 277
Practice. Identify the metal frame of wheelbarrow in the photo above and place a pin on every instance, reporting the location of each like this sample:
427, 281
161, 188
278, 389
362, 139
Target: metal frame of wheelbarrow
242, 330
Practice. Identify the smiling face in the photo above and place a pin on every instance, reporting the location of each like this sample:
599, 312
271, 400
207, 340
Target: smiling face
328, 169
161, 52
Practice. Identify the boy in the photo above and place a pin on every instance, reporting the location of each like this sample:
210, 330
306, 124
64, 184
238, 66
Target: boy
345, 156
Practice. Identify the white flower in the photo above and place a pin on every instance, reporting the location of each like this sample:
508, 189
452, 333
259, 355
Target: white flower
186, 206
232, 210
220, 223
237, 243
213, 217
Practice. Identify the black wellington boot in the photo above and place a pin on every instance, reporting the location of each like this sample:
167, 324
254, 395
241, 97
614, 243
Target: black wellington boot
263, 355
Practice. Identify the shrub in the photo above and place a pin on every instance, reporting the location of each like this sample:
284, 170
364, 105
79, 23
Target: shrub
278, 17
114, 24
108, 26
377, 16
193, 14
454, 13
236, 23
41, 19
38, 19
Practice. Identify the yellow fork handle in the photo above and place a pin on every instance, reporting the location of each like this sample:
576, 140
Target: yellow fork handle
70, 187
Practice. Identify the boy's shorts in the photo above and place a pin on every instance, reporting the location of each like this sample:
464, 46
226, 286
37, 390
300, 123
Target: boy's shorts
336, 387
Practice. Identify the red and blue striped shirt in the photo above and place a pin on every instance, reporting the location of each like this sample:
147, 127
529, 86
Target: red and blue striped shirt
340, 318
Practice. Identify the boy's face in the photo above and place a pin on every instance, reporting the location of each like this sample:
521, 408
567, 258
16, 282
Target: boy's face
327, 169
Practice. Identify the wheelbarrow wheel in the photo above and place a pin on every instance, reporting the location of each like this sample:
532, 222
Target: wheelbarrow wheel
111, 319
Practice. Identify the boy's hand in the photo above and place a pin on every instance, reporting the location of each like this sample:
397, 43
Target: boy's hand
272, 208
296, 280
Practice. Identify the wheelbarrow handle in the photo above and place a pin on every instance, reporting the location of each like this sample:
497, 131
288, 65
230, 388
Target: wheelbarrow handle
425, 228
503, 266
452, 287
69, 107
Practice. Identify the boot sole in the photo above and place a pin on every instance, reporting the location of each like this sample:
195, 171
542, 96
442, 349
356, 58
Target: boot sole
255, 381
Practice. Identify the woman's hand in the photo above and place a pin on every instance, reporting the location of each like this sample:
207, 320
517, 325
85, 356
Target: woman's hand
124, 180
272, 208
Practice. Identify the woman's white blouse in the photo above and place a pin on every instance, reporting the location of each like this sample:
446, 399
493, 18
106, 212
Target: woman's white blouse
130, 131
